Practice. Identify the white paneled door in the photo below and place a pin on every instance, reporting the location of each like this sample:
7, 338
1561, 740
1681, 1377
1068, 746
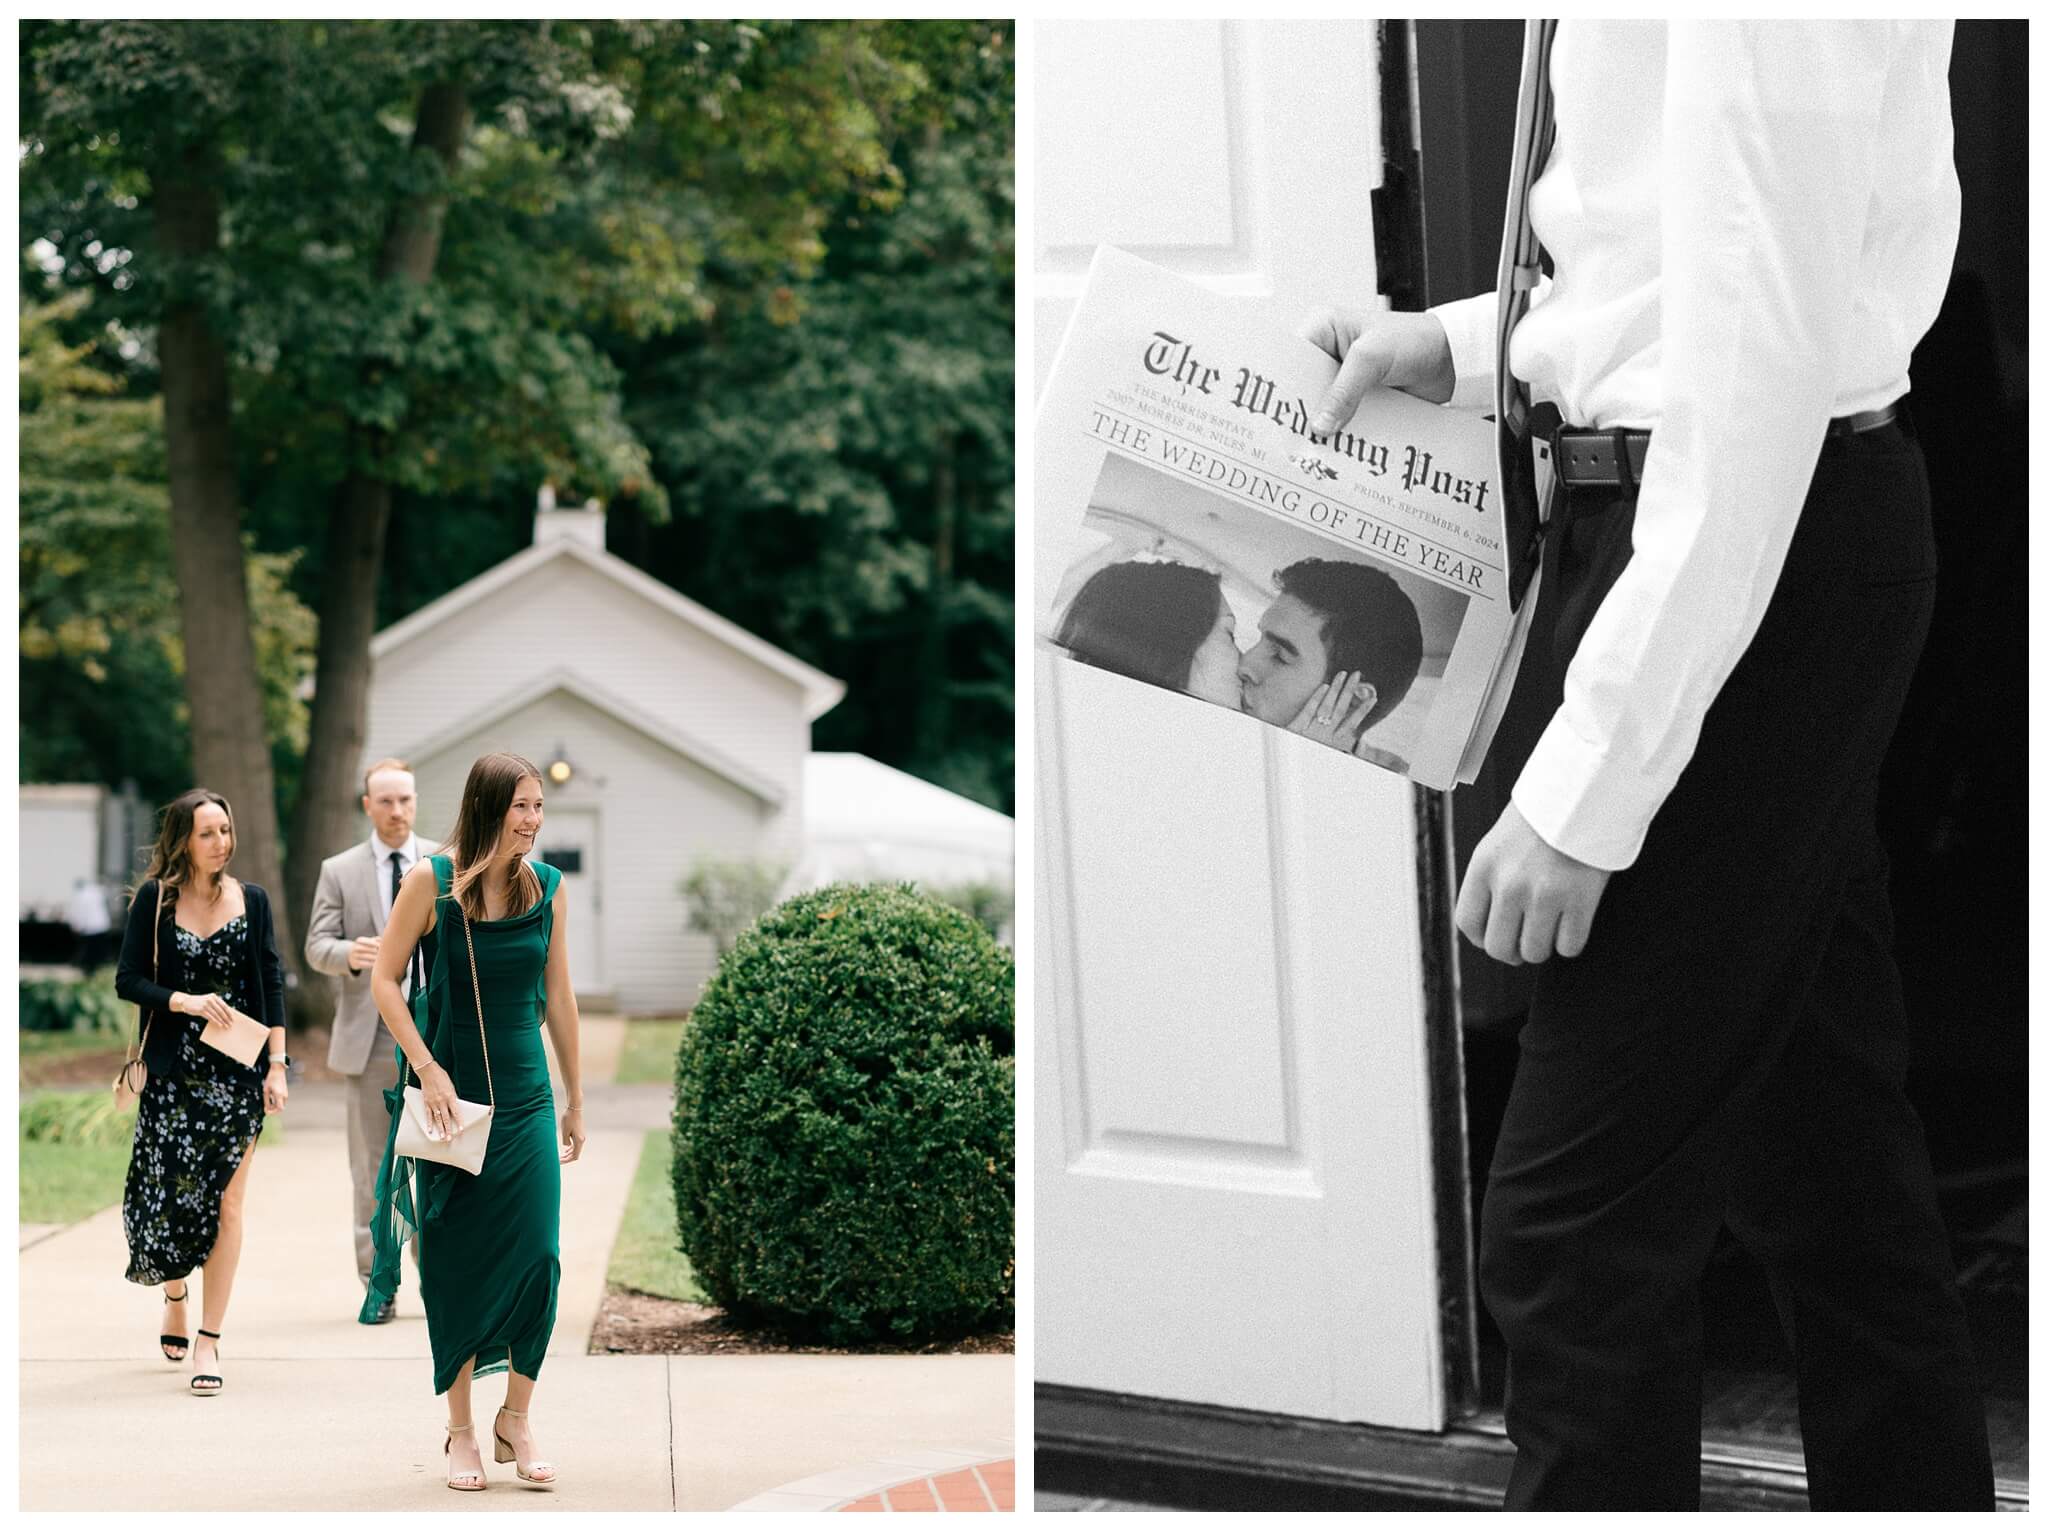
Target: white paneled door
1233, 1196
568, 843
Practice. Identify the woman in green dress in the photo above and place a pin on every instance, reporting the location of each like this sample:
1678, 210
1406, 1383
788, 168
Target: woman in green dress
490, 1244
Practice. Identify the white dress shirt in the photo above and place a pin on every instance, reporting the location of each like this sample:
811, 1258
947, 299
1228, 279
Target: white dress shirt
408, 854
1752, 225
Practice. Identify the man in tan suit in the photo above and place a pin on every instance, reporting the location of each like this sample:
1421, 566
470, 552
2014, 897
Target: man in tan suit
350, 910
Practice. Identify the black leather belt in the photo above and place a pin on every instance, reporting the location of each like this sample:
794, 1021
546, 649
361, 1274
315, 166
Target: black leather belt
1599, 459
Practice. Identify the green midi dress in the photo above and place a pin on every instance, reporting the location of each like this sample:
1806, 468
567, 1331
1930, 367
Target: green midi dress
490, 1257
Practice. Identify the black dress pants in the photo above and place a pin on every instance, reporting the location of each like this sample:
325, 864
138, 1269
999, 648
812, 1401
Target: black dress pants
1730, 1049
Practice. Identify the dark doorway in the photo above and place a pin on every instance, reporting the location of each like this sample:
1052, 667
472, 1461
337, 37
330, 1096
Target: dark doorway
1953, 808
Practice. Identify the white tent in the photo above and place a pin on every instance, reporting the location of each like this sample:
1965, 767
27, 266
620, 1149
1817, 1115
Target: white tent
867, 822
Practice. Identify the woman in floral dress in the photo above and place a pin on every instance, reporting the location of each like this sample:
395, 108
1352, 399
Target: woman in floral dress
198, 942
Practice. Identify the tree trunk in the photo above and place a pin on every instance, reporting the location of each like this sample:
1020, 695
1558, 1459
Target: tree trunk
328, 815
230, 752
935, 691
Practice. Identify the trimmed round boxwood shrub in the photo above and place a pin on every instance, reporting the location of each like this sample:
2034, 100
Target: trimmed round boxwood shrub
845, 1122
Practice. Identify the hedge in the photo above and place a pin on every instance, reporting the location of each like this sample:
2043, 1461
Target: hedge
85, 1005
845, 1122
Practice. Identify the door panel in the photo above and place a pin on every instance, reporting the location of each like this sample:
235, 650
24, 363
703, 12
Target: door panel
569, 843
1232, 1198
1242, 153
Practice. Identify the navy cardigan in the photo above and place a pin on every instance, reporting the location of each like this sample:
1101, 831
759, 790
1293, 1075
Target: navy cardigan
134, 981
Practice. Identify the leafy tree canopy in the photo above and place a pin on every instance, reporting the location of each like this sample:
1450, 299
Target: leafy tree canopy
100, 652
749, 283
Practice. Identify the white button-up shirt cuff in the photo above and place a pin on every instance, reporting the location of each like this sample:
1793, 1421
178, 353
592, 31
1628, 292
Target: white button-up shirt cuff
1472, 325
1594, 809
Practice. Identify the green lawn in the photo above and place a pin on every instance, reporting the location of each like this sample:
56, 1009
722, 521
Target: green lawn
649, 1056
645, 1258
74, 1153
37, 1045
63, 1182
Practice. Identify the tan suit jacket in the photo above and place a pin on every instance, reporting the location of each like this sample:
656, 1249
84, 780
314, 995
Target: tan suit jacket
346, 906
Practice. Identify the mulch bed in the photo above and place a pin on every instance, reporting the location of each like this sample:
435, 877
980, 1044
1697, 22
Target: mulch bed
634, 1324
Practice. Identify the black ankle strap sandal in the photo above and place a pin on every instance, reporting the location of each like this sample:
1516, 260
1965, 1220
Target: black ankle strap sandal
201, 1379
168, 1340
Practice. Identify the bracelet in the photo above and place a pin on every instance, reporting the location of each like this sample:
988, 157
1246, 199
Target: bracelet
280, 1061
566, 1110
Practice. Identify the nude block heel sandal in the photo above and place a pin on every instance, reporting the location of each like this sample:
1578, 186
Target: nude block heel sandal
543, 1473
455, 1479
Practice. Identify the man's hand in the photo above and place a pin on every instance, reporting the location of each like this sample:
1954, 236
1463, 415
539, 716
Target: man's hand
362, 952
1523, 900
1379, 349
1335, 711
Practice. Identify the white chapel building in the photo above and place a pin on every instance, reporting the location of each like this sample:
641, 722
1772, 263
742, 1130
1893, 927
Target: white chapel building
669, 735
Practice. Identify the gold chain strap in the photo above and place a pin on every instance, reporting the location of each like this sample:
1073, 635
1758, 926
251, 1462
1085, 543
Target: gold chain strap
477, 992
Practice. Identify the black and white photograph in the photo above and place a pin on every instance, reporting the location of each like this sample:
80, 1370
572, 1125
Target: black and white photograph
1628, 1111
1341, 581
1199, 594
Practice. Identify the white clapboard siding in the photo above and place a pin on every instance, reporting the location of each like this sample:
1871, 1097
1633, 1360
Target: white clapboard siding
657, 812
687, 737
565, 614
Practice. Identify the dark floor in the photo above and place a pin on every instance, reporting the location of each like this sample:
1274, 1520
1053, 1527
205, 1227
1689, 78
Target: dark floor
1978, 1147
1749, 1391
1750, 1407
1749, 1399
1048, 1500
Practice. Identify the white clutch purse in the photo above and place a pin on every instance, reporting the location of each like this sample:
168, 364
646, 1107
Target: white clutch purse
465, 1150
472, 1136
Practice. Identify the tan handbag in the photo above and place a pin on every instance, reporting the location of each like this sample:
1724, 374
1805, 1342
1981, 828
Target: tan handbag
472, 1135
133, 1077
242, 1039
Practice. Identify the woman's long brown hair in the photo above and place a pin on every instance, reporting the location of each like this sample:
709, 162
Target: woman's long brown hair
479, 821
170, 860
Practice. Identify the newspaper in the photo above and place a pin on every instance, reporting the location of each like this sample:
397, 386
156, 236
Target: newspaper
1349, 588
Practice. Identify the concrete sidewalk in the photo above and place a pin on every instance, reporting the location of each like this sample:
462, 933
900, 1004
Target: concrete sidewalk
320, 1412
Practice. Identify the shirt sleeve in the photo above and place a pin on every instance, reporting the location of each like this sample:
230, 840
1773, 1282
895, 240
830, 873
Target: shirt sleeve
1768, 137
1472, 325
327, 943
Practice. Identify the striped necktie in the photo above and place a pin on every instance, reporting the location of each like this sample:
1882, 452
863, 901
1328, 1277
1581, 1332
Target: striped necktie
1520, 258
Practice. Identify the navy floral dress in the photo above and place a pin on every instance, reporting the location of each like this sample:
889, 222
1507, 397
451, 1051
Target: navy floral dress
191, 1131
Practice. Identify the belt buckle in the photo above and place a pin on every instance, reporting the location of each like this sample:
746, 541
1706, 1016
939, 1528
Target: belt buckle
1598, 459
1624, 469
